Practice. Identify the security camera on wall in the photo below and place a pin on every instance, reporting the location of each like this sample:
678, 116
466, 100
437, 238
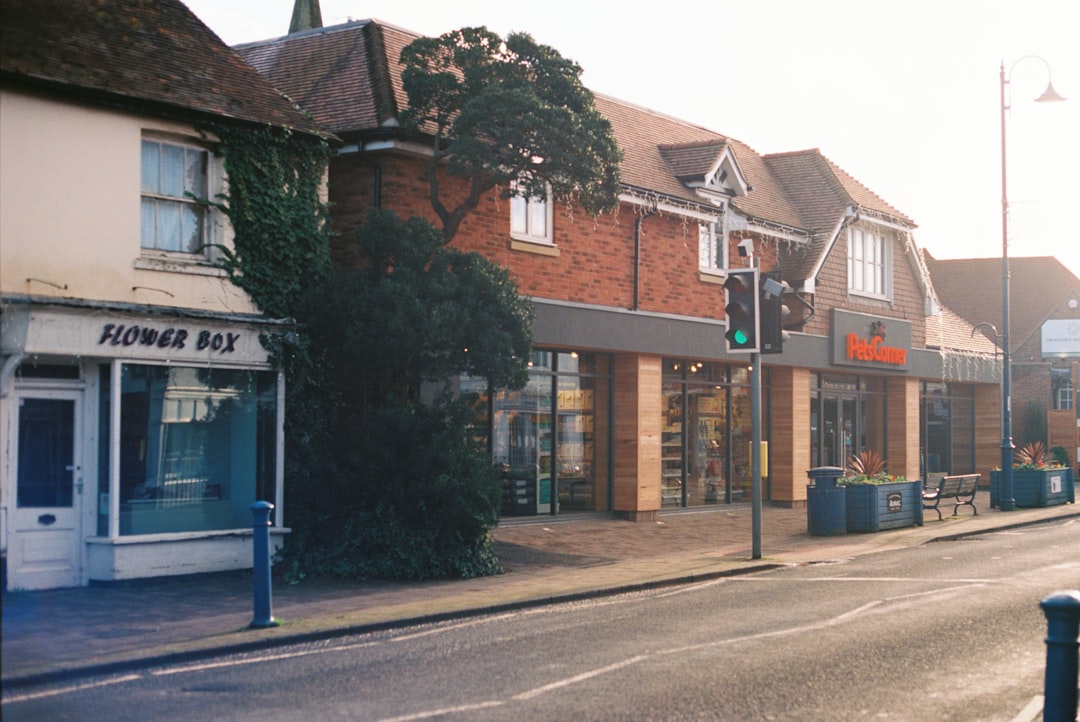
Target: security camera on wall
746, 247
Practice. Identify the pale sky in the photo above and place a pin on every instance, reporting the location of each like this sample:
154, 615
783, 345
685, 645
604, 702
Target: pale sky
904, 95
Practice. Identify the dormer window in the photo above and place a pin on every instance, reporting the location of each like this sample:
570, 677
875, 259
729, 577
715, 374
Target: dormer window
530, 219
173, 176
869, 266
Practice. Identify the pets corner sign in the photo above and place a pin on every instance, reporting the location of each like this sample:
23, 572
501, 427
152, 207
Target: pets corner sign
870, 342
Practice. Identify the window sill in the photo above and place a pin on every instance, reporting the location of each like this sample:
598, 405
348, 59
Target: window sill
716, 277
869, 298
537, 247
174, 264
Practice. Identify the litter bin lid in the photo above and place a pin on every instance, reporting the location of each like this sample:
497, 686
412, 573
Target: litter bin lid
821, 471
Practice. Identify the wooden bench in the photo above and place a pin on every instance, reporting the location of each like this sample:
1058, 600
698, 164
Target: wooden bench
960, 488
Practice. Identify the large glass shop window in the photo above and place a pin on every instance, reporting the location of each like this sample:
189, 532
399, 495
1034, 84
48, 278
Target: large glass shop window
197, 447
847, 416
706, 433
947, 416
551, 439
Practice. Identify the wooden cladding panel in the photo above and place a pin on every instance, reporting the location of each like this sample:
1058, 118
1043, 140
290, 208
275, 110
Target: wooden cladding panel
987, 431
789, 447
638, 396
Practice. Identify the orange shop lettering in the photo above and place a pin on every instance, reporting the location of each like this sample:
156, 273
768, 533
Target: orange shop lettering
861, 349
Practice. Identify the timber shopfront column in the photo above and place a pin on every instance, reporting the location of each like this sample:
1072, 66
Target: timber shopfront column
903, 426
637, 425
789, 450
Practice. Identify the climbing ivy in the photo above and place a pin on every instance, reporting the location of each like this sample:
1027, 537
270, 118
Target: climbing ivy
392, 489
274, 202
280, 249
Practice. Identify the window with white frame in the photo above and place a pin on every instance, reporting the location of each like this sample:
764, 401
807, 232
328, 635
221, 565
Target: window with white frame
1062, 388
530, 218
868, 263
711, 247
173, 177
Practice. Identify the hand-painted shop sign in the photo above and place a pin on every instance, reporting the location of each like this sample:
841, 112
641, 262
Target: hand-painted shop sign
132, 337
870, 342
119, 334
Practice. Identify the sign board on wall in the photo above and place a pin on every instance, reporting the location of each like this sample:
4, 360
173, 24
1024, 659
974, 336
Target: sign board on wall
870, 342
174, 339
1061, 338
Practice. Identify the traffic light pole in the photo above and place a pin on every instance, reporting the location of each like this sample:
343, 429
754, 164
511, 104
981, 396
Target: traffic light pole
755, 453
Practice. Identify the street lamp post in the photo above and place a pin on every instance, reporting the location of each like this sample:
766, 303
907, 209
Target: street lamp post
1007, 502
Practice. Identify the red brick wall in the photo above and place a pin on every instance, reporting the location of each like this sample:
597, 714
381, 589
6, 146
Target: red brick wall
1031, 386
595, 263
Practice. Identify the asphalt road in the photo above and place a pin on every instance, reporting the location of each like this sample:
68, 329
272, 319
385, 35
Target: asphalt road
946, 631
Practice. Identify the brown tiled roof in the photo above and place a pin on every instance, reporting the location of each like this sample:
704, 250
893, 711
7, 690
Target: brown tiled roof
340, 74
948, 331
146, 55
348, 77
973, 288
822, 192
692, 161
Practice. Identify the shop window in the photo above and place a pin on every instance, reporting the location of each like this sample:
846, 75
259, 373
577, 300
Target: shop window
530, 218
174, 176
197, 447
705, 434
550, 439
947, 428
868, 263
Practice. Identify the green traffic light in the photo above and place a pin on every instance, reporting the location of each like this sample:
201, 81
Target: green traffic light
740, 337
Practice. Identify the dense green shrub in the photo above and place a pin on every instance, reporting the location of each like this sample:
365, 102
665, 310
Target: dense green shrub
414, 498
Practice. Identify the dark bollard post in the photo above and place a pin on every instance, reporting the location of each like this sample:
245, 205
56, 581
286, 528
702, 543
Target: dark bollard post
260, 514
1062, 612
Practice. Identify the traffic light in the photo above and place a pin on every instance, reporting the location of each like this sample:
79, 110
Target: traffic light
742, 311
773, 313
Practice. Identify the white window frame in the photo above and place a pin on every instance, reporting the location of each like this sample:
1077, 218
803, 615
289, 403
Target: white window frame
531, 218
1062, 390
869, 263
712, 247
203, 186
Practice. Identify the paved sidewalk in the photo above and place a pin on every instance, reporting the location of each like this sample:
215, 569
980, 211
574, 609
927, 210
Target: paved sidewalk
110, 627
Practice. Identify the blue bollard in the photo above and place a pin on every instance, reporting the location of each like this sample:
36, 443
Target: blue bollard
1062, 612
260, 514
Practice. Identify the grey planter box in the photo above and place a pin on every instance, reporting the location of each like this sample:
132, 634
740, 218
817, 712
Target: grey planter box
875, 507
1031, 488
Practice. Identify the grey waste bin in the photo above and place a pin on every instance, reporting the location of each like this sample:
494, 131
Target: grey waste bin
826, 513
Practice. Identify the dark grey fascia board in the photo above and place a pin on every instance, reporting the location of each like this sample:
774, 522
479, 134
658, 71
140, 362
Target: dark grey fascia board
572, 326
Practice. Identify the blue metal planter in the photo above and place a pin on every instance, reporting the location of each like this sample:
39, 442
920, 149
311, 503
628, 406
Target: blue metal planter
875, 507
1036, 488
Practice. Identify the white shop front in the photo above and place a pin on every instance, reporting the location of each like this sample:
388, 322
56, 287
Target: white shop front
134, 441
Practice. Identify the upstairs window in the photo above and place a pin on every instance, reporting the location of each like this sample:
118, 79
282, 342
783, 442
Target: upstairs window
868, 263
1062, 388
530, 219
711, 247
173, 176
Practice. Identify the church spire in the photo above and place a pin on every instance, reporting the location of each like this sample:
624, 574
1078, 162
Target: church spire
305, 16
